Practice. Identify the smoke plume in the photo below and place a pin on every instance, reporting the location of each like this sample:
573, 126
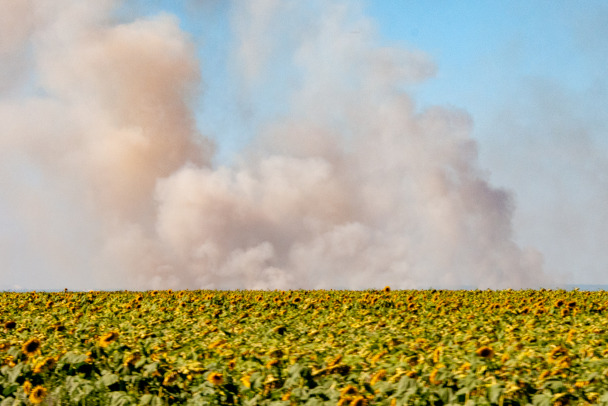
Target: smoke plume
108, 183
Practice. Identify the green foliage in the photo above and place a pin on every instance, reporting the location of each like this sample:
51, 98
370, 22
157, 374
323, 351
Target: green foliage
304, 347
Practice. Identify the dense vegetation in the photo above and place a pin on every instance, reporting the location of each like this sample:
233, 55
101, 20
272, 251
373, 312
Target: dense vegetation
376, 347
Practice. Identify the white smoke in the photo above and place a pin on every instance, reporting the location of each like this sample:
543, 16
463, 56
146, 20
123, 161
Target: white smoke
350, 187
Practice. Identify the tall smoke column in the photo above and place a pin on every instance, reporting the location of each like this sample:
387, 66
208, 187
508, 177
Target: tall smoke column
350, 188
109, 116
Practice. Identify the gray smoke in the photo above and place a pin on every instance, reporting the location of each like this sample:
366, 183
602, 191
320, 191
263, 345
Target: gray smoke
109, 183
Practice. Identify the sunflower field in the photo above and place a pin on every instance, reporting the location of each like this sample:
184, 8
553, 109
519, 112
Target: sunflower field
375, 347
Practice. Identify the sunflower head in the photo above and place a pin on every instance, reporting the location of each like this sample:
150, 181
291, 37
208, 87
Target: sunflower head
349, 390
27, 387
108, 338
170, 379
386, 289
37, 395
358, 401
485, 352
9, 325
216, 378
45, 365
31, 347
132, 359
272, 363
557, 353
378, 376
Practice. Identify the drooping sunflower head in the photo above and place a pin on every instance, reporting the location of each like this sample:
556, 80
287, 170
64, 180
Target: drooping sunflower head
31, 347
45, 365
215, 378
37, 395
170, 379
358, 401
557, 353
272, 363
131, 359
108, 338
378, 376
349, 390
485, 352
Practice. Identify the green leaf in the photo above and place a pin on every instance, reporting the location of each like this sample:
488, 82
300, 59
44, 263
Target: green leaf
146, 399
494, 393
109, 379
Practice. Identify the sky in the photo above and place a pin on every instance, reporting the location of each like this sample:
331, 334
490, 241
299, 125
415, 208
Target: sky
282, 144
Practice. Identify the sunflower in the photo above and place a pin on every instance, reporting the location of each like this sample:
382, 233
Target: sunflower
107, 339
9, 325
378, 376
433, 376
358, 401
386, 289
485, 352
349, 390
31, 347
170, 379
37, 395
216, 378
58, 327
45, 365
557, 353
132, 359
246, 381
27, 387
275, 353
273, 363
437, 354
334, 361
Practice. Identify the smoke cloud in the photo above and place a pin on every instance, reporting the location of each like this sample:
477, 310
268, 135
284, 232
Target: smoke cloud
108, 183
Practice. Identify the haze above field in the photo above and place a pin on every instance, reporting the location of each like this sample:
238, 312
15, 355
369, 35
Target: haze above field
290, 144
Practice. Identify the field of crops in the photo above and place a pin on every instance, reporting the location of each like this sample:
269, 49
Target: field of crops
376, 347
